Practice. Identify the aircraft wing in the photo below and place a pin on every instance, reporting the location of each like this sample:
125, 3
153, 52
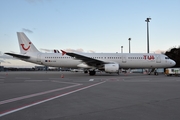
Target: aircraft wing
89, 61
18, 56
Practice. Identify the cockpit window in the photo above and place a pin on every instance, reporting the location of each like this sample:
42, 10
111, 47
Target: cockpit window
166, 57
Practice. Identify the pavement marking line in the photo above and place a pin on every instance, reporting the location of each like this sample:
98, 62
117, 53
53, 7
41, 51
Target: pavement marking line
36, 94
91, 79
46, 100
37, 80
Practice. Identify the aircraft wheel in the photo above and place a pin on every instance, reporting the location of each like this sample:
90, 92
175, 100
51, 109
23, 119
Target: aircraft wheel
92, 72
118, 72
85, 71
155, 73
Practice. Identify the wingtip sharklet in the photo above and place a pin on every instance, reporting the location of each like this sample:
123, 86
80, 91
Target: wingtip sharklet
63, 52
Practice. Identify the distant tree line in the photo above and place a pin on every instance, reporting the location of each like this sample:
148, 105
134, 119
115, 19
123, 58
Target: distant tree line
174, 54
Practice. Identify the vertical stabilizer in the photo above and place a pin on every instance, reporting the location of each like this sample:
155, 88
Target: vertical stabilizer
25, 44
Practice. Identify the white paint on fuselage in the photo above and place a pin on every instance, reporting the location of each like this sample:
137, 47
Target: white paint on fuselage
125, 60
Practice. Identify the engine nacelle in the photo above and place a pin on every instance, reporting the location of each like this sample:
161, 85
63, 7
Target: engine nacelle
111, 68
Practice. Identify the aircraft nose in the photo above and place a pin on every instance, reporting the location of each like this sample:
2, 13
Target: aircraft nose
173, 62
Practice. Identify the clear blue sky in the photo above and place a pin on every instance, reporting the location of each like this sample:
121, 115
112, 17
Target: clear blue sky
97, 25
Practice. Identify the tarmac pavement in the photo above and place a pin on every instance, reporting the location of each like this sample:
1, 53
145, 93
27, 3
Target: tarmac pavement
78, 96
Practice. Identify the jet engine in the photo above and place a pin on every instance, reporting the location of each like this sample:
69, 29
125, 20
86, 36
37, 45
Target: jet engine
111, 68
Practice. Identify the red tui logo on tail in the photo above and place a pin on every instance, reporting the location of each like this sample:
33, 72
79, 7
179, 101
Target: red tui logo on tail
24, 47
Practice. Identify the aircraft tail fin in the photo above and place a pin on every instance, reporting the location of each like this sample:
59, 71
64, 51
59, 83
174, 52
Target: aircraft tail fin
25, 44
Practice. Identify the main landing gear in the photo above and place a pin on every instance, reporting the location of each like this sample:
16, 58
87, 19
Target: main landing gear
153, 70
92, 72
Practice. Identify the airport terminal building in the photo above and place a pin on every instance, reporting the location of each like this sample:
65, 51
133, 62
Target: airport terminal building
1, 68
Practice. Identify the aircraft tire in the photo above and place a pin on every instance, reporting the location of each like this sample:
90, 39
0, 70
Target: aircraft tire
92, 72
85, 71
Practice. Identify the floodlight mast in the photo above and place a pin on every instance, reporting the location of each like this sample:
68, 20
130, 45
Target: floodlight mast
147, 20
129, 45
121, 49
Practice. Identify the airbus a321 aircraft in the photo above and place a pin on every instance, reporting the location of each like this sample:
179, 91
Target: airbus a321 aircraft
108, 62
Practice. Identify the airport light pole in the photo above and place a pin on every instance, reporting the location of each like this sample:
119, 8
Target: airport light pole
147, 20
129, 45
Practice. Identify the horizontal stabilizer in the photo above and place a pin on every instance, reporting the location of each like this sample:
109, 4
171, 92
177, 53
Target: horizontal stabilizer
18, 56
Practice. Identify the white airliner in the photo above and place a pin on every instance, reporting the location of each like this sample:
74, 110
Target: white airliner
108, 62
